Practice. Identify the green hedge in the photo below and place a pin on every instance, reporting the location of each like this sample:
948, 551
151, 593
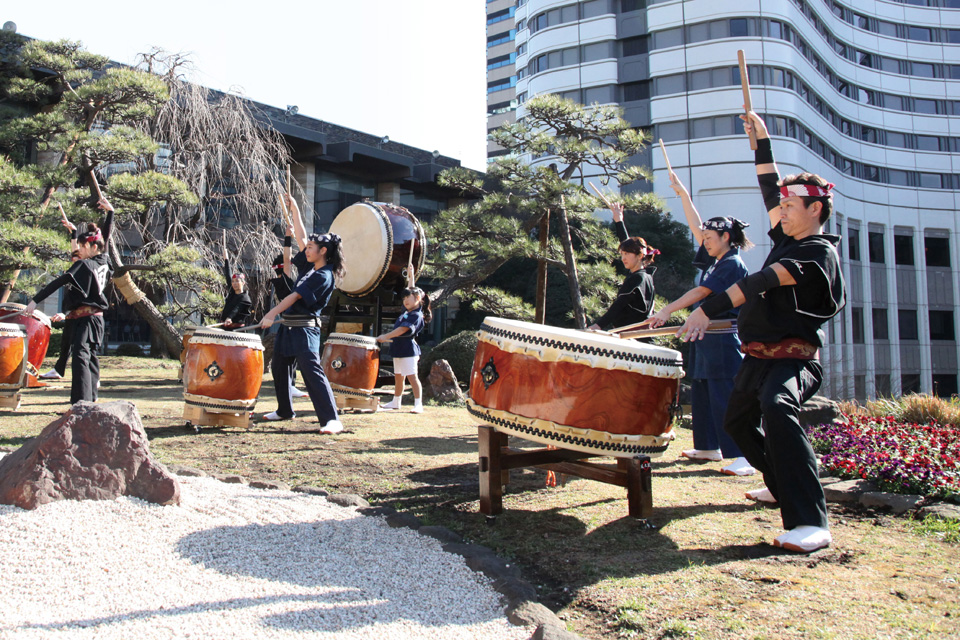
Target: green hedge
458, 350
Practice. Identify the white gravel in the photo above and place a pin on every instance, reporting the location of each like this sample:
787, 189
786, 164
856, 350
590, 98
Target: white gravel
232, 562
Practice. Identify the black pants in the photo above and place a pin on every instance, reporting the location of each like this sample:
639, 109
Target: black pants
772, 391
305, 344
66, 345
87, 338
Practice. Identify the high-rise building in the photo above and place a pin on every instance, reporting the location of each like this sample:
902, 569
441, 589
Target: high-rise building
863, 92
501, 68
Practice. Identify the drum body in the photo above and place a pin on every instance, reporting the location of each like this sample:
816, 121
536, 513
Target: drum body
37, 326
13, 357
573, 389
223, 371
378, 240
351, 363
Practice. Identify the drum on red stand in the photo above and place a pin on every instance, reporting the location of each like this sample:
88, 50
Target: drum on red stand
223, 371
574, 389
351, 363
13, 358
37, 326
378, 239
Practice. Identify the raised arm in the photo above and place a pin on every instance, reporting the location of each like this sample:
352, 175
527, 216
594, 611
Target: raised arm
72, 228
690, 211
226, 261
767, 173
287, 251
106, 227
299, 231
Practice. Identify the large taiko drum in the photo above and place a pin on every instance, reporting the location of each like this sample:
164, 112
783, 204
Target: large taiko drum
223, 371
573, 389
37, 326
351, 363
13, 363
185, 341
378, 239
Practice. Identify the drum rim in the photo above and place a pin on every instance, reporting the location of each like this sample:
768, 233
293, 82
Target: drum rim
567, 437
385, 227
218, 336
347, 338
36, 314
15, 330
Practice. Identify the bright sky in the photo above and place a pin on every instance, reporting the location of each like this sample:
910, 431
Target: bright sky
414, 70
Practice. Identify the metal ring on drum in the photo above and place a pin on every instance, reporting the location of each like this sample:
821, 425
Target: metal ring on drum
378, 240
223, 371
575, 390
351, 363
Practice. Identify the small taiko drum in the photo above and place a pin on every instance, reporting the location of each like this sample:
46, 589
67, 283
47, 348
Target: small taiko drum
351, 363
223, 371
574, 389
13, 363
37, 326
378, 240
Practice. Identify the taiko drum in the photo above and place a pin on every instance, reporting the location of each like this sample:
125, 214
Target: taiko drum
351, 363
223, 371
13, 357
37, 326
378, 241
574, 389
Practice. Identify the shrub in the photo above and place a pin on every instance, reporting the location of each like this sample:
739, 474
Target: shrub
458, 350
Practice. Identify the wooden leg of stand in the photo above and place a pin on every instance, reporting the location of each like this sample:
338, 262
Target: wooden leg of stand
491, 473
639, 487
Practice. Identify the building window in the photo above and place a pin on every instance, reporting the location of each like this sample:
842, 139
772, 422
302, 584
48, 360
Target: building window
883, 385
907, 324
875, 245
903, 250
635, 46
944, 384
594, 8
881, 331
910, 383
853, 243
627, 6
856, 321
633, 91
937, 251
941, 325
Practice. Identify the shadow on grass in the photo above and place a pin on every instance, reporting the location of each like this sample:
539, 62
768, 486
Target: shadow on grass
427, 445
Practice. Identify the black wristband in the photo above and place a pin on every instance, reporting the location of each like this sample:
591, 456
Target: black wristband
73, 234
287, 241
764, 152
715, 305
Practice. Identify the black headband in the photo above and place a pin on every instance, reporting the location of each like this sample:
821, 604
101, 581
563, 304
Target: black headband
326, 238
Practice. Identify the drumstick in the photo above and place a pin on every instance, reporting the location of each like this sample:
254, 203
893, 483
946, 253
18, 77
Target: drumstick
288, 179
214, 326
666, 158
13, 314
669, 331
286, 212
747, 102
602, 197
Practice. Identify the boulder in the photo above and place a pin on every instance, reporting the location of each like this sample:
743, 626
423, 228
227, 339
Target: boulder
819, 410
92, 452
443, 383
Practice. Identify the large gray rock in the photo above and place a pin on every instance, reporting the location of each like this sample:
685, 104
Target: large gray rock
896, 502
443, 383
848, 490
92, 452
943, 510
819, 410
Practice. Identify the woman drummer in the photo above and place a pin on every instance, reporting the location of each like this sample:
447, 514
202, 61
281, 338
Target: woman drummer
635, 297
714, 361
236, 308
283, 284
60, 367
318, 266
88, 277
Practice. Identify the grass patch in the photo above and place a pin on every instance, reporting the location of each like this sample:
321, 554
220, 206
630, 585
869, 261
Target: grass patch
934, 526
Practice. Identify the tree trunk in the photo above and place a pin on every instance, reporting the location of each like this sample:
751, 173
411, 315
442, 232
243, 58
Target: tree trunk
166, 333
572, 279
541, 313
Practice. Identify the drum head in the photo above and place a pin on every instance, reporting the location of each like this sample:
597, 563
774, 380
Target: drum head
367, 246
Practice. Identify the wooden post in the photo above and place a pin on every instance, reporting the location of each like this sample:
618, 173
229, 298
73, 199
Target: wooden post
491, 473
639, 487
541, 311
747, 102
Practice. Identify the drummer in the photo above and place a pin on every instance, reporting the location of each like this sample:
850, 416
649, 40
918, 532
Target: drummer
88, 276
319, 265
714, 361
634, 301
283, 285
236, 308
60, 367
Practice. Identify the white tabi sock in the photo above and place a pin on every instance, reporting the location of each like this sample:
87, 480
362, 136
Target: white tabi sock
761, 495
393, 404
739, 467
805, 539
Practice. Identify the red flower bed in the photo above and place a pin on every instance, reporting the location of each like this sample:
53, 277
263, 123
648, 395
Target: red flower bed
899, 457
